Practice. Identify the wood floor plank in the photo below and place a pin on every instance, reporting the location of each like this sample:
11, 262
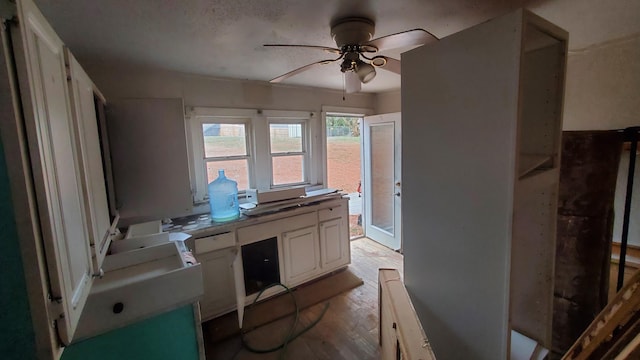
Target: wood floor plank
348, 329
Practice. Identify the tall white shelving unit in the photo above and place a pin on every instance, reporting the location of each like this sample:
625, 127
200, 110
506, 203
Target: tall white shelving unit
482, 121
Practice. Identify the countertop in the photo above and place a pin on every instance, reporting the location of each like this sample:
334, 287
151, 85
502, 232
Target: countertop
201, 225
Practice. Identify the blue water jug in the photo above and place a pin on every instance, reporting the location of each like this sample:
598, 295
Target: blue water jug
223, 198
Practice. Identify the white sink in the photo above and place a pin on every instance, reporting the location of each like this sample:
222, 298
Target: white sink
138, 284
138, 242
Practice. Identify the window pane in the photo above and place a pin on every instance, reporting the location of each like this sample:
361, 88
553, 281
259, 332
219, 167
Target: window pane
224, 140
236, 170
285, 137
382, 177
287, 169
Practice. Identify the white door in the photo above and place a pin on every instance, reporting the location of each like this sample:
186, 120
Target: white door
382, 182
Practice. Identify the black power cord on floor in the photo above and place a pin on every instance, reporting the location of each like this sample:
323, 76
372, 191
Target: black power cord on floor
291, 335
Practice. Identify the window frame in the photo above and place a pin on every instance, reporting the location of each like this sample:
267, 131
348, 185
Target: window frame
304, 132
198, 161
257, 130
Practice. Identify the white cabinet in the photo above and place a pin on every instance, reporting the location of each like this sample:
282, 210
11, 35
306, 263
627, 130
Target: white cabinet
291, 247
218, 282
333, 230
216, 254
301, 255
482, 120
69, 236
40, 63
90, 157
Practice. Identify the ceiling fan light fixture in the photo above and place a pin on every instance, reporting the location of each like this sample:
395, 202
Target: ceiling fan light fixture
366, 72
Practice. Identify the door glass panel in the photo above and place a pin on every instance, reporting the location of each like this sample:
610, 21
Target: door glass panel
382, 177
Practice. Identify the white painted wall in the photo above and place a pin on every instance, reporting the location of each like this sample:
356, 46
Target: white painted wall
120, 82
141, 82
387, 102
603, 71
603, 86
621, 192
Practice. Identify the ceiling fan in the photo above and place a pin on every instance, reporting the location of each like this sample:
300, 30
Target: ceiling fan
356, 51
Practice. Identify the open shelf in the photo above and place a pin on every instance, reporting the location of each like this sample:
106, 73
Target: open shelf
529, 163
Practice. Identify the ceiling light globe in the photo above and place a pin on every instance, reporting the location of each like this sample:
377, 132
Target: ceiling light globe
366, 72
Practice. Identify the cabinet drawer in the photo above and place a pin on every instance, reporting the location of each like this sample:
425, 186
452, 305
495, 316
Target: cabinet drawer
215, 242
138, 284
253, 233
330, 213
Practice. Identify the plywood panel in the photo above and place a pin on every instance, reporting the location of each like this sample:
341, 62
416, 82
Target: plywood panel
535, 205
532, 262
149, 153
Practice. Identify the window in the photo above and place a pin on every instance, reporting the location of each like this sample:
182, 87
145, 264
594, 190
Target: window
258, 149
287, 150
220, 139
225, 147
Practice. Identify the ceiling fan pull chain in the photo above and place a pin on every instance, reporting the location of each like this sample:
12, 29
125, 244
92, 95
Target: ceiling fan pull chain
344, 87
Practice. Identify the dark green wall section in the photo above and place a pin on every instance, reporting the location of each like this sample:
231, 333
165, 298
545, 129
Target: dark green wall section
168, 336
16, 335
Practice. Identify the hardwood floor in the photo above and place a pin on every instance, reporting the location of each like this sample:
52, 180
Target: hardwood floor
348, 330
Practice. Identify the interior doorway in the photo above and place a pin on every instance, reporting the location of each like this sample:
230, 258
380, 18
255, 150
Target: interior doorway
344, 165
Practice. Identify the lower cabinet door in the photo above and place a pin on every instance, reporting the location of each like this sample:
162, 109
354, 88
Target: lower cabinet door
301, 250
219, 287
334, 244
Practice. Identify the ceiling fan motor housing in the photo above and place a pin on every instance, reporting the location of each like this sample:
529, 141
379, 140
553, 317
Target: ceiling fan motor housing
352, 31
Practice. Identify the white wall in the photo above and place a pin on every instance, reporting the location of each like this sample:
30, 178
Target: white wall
387, 102
121, 82
140, 82
621, 193
603, 86
603, 71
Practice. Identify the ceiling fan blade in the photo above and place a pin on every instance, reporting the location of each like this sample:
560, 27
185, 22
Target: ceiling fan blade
402, 39
325, 48
352, 83
304, 68
392, 65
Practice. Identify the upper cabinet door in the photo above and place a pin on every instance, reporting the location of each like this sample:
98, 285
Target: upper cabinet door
53, 152
88, 141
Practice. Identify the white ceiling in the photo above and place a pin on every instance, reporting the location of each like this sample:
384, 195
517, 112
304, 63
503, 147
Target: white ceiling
224, 38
